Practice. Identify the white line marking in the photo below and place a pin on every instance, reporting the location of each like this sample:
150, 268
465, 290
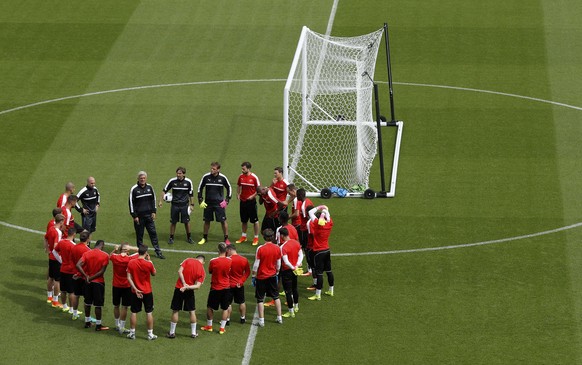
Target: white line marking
278, 80
251, 339
393, 252
491, 92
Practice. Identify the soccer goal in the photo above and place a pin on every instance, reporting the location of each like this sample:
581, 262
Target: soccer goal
330, 135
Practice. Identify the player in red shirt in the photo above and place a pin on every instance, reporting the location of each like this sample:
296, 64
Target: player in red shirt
284, 220
190, 277
279, 184
64, 248
219, 296
69, 190
272, 205
139, 272
240, 271
265, 271
292, 257
78, 279
320, 225
247, 185
52, 236
121, 290
92, 266
69, 219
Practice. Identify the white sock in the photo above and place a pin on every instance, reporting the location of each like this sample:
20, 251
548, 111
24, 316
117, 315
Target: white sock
222, 324
291, 310
296, 306
121, 324
193, 327
280, 318
117, 322
56, 298
262, 320
209, 322
150, 332
244, 234
87, 319
331, 289
98, 322
172, 327
318, 292
75, 312
49, 294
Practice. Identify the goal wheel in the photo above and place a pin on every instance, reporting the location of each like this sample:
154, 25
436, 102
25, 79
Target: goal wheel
369, 194
325, 193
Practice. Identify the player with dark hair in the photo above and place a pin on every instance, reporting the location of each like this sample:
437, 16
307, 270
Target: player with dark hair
90, 200
92, 266
182, 193
268, 199
51, 238
66, 211
292, 257
247, 185
79, 280
279, 184
265, 271
142, 207
190, 277
239, 273
139, 272
64, 248
219, 296
214, 201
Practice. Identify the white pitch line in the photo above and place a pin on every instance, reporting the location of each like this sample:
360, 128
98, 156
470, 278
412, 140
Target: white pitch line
491, 92
251, 339
371, 253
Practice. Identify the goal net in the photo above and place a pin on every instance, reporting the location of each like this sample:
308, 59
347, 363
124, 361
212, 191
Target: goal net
330, 136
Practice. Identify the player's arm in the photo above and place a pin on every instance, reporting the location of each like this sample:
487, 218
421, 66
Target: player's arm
181, 276
98, 273
79, 266
287, 262
138, 292
299, 259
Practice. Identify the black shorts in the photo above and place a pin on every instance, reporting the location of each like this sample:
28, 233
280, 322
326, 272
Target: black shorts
179, 213
309, 254
238, 294
289, 280
219, 299
322, 261
303, 236
67, 283
95, 294
270, 222
185, 300
90, 221
210, 212
79, 286
267, 287
147, 301
121, 296
54, 270
248, 211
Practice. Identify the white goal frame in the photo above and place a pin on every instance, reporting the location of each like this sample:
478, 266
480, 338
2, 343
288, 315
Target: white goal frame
360, 83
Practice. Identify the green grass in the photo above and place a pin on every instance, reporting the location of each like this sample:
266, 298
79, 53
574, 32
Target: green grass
474, 167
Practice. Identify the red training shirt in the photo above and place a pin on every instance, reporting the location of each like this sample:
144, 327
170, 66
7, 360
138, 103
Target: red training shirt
93, 261
65, 250
239, 271
193, 271
248, 184
219, 267
320, 234
120, 262
141, 270
269, 253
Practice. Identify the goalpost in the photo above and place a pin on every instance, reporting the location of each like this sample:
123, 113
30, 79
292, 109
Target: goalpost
330, 137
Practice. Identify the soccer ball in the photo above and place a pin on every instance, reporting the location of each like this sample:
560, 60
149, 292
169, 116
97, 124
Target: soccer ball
168, 197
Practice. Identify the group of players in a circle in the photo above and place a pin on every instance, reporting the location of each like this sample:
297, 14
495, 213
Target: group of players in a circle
77, 270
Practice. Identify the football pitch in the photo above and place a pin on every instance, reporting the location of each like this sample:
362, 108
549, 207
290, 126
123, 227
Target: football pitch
476, 260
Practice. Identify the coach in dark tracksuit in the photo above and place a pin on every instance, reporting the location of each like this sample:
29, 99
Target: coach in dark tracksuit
90, 200
142, 207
